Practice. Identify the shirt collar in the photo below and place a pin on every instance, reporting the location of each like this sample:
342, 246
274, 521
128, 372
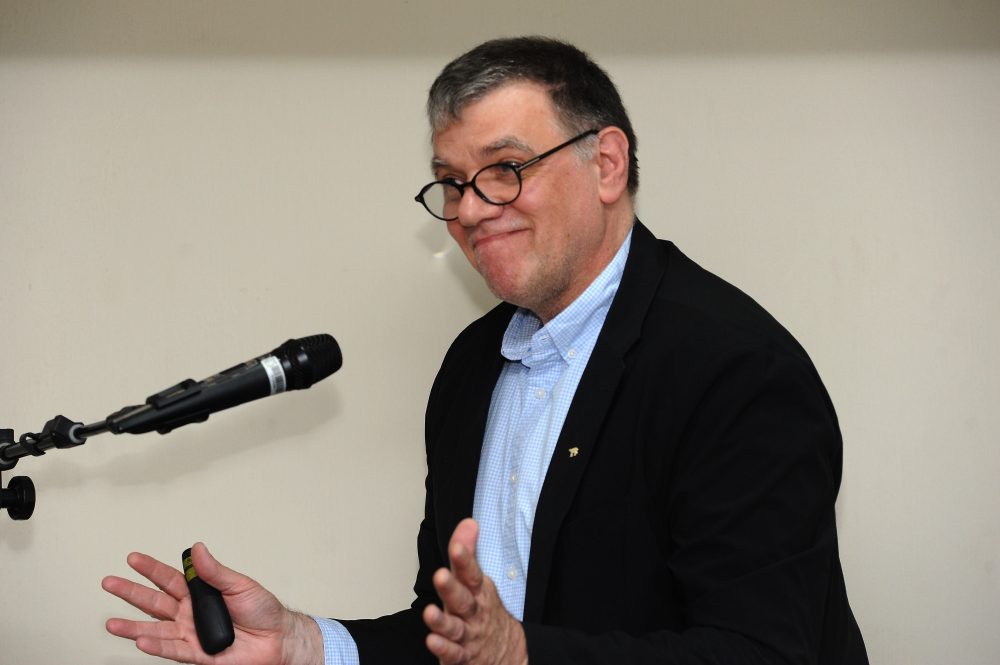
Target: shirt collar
525, 332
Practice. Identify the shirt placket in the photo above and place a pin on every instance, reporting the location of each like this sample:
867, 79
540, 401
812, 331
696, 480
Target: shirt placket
542, 369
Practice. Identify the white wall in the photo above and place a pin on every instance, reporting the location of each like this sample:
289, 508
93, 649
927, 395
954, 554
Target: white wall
185, 185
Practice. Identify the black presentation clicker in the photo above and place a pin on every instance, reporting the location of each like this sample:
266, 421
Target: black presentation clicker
211, 616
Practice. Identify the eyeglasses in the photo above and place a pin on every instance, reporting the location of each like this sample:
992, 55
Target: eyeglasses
497, 184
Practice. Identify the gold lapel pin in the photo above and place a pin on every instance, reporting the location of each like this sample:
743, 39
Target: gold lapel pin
574, 451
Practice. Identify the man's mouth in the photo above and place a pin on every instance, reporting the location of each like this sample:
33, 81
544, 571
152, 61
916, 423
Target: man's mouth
484, 238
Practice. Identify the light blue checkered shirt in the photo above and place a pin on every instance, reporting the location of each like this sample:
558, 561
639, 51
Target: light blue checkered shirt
527, 411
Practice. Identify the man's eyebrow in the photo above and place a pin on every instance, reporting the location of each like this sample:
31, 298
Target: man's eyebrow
505, 143
487, 151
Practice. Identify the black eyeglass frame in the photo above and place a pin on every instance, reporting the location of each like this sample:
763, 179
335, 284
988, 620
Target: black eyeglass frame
514, 168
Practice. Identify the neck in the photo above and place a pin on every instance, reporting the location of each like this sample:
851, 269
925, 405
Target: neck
618, 228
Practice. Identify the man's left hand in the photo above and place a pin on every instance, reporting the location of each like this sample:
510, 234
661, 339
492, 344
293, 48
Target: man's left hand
474, 628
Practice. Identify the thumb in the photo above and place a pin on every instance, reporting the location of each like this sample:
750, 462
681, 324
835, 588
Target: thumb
466, 534
214, 573
462, 553
251, 606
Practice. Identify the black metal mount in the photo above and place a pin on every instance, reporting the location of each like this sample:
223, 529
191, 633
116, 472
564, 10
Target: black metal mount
18, 498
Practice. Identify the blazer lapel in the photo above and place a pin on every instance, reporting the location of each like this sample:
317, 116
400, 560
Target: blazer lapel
589, 408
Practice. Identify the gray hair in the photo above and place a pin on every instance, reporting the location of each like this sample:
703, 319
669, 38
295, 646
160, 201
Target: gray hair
582, 93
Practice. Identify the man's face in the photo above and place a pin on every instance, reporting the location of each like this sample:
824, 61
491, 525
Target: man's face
544, 249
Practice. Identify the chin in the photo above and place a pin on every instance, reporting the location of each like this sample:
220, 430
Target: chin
505, 292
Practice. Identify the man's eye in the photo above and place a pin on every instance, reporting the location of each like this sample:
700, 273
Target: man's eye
451, 181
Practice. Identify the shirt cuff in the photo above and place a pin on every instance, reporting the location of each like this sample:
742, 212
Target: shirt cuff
339, 648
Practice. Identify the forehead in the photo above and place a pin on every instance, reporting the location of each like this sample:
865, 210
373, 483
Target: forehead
518, 114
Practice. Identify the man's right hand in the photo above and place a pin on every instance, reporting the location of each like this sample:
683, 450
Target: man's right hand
266, 631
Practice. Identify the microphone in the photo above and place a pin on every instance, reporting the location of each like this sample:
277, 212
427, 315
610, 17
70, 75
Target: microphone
295, 365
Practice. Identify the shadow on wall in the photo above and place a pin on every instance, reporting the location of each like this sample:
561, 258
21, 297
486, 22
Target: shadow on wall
149, 461
318, 28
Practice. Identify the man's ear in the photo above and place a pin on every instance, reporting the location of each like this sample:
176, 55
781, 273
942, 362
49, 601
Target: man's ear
612, 147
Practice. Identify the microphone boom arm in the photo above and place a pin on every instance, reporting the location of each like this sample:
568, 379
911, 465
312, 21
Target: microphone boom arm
295, 365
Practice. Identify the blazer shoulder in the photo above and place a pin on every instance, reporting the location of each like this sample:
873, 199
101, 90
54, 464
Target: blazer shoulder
483, 333
471, 362
696, 299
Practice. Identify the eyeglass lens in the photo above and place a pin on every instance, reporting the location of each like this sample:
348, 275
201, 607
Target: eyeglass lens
497, 184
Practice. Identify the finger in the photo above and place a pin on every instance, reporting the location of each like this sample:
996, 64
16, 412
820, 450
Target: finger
462, 554
176, 650
165, 577
133, 630
457, 598
446, 625
447, 652
154, 603
157, 638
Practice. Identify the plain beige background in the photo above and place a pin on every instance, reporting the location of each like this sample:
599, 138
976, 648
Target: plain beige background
186, 185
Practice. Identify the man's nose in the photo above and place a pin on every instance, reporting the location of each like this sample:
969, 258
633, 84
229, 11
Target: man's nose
473, 209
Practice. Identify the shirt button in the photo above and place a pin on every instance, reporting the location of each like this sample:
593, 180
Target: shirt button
512, 573
571, 353
513, 477
539, 393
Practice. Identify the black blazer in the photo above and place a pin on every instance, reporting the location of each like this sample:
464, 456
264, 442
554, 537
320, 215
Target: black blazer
695, 523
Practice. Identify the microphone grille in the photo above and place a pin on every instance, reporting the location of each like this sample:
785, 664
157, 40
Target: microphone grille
324, 355
312, 359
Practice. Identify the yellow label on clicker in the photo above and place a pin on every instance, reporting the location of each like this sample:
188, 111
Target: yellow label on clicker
189, 572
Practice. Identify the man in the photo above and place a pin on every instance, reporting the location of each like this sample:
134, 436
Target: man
651, 461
